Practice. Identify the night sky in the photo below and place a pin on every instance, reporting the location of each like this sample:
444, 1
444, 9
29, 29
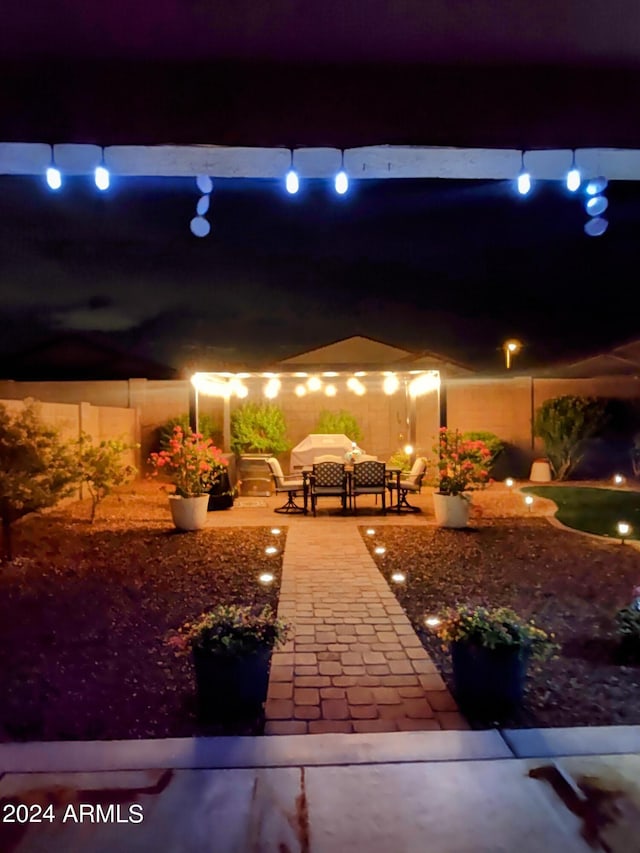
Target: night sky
449, 266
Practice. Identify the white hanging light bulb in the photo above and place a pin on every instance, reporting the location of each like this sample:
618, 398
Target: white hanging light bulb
54, 177
292, 182
101, 175
524, 179
574, 177
341, 180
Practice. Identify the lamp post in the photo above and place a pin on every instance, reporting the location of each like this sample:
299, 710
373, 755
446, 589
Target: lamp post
511, 348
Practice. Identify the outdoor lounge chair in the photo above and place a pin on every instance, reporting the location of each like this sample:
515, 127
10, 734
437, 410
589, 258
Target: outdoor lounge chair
412, 482
328, 479
292, 485
369, 478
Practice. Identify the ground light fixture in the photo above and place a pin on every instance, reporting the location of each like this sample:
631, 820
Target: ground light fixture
265, 578
624, 529
370, 531
380, 549
398, 577
618, 479
432, 621
509, 482
275, 531
270, 549
524, 179
529, 501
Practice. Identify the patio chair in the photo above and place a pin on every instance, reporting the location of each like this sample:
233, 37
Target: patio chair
412, 482
369, 478
328, 479
292, 485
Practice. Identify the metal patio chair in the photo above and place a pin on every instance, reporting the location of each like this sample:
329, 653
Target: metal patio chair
292, 485
328, 479
412, 482
369, 478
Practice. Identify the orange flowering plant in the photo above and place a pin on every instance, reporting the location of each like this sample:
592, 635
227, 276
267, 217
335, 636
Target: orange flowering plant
462, 463
192, 463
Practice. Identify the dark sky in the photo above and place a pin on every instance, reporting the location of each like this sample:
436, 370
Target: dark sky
452, 266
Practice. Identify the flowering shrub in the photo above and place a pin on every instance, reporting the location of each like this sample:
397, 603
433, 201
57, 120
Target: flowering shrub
192, 463
462, 463
231, 630
495, 628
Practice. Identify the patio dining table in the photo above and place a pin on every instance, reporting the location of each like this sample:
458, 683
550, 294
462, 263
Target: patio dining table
390, 471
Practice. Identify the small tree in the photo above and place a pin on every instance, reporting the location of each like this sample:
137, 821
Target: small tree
564, 424
338, 423
37, 468
259, 428
101, 467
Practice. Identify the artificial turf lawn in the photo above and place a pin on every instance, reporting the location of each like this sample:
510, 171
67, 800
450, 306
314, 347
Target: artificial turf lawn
593, 510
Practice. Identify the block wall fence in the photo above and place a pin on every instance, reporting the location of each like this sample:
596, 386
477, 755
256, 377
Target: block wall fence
504, 406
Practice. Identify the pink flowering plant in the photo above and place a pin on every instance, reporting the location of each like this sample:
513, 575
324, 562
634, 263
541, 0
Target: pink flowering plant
192, 463
230, 630
462, 463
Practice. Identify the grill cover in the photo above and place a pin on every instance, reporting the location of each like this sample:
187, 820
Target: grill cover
318, 445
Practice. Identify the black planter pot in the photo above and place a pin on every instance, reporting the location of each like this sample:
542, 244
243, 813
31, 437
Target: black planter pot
229, 686
489, 682
220, 494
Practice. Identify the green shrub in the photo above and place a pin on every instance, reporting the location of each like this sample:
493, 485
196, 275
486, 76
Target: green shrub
101, 467
207, 425
259, 428
338, 423
564, 424
490, 439
37, 468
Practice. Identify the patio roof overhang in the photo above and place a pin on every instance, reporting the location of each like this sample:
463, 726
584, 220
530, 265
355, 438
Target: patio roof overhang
361, 163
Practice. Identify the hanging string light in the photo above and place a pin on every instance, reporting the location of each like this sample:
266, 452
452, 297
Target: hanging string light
341, 179
524, 179
200, 226
292, 182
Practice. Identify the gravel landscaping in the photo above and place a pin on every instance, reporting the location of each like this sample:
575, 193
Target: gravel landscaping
85, 610
570, 584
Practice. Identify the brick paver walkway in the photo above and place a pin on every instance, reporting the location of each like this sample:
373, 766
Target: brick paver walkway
354, 664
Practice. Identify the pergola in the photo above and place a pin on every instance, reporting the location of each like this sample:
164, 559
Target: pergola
326, 385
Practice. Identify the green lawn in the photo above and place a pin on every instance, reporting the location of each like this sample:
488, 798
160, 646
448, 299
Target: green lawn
593, 510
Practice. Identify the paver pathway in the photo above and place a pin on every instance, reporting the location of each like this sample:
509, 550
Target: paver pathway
354, 664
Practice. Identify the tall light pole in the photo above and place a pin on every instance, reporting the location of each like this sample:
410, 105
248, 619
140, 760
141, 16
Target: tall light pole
511, 348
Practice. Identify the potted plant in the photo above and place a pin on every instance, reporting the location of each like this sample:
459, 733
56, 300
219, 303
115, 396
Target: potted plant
490, 652
258, 431
628, 626
231, 647
193, 464
462, 466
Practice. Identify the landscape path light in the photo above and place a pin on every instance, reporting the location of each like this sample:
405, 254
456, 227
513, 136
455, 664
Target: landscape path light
624, 529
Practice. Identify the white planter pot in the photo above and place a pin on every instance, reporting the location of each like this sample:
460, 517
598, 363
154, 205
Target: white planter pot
189, 513
451, 510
